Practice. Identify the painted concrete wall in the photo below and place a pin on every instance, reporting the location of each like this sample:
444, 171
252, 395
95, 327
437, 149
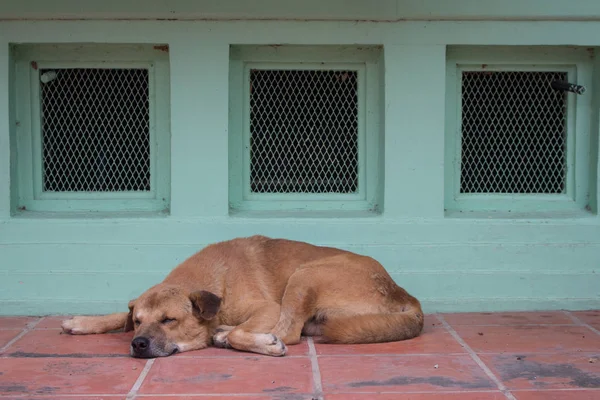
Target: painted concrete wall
96, 263
380, 10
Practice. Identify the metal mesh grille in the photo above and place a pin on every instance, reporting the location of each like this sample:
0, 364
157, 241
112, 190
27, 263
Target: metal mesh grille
513, 132
303, 131
95, 130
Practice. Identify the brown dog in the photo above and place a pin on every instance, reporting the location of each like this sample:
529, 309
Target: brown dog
258, 294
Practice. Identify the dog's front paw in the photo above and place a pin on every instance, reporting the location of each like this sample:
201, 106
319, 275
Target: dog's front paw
220, 340
74, 326
272, 345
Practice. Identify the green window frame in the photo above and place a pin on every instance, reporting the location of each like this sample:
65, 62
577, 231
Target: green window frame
576, 63
29, 61
366, 62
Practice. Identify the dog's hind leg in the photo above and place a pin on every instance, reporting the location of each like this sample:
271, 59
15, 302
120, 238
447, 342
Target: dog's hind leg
250, 335
297, 306
366, 306
86, 325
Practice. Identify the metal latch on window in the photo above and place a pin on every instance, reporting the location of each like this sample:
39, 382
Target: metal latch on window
567, 87
48, 76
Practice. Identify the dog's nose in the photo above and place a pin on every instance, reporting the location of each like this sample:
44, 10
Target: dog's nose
140, 344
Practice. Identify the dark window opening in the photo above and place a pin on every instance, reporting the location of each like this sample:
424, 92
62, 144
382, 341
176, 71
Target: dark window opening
513, 133
95, 130
303, 131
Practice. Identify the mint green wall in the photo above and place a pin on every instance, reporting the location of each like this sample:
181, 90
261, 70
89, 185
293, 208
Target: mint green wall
388, 10
94, 263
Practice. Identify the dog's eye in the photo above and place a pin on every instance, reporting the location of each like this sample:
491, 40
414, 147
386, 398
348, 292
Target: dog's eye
168, 320
137, 322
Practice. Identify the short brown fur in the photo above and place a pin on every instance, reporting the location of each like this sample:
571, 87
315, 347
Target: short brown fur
259, 294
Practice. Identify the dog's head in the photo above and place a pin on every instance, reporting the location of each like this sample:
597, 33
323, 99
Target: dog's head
168, 319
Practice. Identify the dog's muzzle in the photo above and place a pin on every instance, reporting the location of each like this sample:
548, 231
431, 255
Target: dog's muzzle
142, 347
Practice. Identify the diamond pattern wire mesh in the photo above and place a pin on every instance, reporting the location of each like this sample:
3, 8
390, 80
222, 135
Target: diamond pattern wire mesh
513, 132
303, 131
95, 130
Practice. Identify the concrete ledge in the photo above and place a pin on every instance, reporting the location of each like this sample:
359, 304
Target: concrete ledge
380, 10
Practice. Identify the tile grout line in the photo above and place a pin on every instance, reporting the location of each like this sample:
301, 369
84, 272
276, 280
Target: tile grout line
476, 358
140, 380
37, 329
25, 330
316, 372
571, 389
579, 322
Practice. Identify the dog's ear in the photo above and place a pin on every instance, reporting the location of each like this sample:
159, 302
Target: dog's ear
129, 323
206, 304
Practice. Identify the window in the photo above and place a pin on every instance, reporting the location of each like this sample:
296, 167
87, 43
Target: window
511, 136
304, 128
92, 127
303, 131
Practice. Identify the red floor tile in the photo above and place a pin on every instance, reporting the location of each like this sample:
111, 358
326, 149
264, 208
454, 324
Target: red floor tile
15, 322
8, 335
227, 397
555, 364
59, 397
431, 320
589, 317
52, 342
251, 374
545, 371
512, 318
558, 395
402, 374
56, 376
50, 323
433, 339
417, 396
530, 338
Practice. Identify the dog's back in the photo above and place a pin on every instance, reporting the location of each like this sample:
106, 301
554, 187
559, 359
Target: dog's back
257, 263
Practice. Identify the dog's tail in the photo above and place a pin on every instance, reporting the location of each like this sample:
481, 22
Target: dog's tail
374, 328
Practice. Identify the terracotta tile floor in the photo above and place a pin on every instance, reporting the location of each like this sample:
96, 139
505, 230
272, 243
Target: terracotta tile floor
525, 356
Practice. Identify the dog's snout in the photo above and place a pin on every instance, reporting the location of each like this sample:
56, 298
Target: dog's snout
140, 344
151, 347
